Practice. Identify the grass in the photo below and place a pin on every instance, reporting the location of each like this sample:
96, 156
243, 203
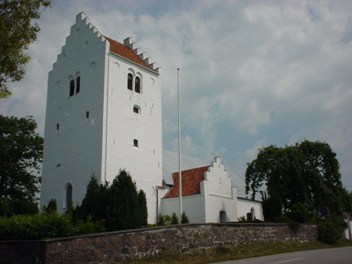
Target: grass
239, 252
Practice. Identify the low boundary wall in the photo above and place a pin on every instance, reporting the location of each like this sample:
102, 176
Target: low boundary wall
119, 246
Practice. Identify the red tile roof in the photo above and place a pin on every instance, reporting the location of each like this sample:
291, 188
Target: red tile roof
124, 51
191, 180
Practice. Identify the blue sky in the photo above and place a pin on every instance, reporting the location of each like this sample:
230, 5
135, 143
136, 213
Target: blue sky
253, 73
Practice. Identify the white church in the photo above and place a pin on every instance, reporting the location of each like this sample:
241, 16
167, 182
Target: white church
104, 114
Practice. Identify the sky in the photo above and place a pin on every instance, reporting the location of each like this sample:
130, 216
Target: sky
252, 73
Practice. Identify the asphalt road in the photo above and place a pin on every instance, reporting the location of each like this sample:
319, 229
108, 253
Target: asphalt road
321, 256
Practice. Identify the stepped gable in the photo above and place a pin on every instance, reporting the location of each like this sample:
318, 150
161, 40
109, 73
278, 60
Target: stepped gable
170, 165
191, 180
125, 52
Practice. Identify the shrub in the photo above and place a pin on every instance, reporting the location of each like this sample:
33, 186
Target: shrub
174, 219
184, 218
329, 232
51, 208
299, 213
161, 220
35, 226
88, 227
166, 220
45, 225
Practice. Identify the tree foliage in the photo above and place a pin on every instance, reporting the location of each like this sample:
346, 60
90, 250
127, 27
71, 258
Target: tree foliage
17, 32
174, 219
44, 225
51, 207
142, 202
306, 174
184, 218
21, 150
119, 205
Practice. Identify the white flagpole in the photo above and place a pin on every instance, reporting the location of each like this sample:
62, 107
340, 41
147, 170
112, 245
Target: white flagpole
179, 141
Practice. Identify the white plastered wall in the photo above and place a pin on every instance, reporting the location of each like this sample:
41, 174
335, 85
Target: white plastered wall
220, 195
216, 195
73, 127
192, 205
123, 126
246, 206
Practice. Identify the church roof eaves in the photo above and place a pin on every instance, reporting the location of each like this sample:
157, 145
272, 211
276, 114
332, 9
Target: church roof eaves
191, 180
125, 52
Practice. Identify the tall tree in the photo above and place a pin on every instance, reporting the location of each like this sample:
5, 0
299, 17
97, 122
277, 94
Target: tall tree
17, 32
93, 204
123, 211
304, 174
119, 205
142, 203
21, 150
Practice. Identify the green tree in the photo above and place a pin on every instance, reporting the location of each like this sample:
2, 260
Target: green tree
123, 210
174, 219
184, 218
51, 207
21, 150
142, 203
306, 174
118, 206
17, 32
93, 204
321, 171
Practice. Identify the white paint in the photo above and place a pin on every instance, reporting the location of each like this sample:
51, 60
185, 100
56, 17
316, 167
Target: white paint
246, 205
348, 229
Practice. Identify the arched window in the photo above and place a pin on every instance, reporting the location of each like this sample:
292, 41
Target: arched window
78, 84
136, 109
68, 195
72, 87
137, 85
223, 217
253, 214
129, 81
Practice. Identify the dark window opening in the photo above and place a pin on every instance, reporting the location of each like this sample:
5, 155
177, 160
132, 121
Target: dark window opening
57, 126
136, 109
137, 85
135, 143
72, 87
223, 217
129, 81
87, 114
78, 84
68, 195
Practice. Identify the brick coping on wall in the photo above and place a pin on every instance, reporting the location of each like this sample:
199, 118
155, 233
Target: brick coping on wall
149, 242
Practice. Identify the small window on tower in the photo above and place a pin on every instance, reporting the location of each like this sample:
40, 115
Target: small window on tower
129, 81
137, 85
58, 126
72, 87
136, 109
78, 84
135, 143
87, 114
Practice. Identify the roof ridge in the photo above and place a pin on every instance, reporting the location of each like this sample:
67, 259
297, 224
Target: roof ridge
207, 166
128, 51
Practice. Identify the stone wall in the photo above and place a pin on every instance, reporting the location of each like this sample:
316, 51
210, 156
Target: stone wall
116, 247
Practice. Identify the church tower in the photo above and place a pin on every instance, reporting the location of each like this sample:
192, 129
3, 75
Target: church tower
103, 115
